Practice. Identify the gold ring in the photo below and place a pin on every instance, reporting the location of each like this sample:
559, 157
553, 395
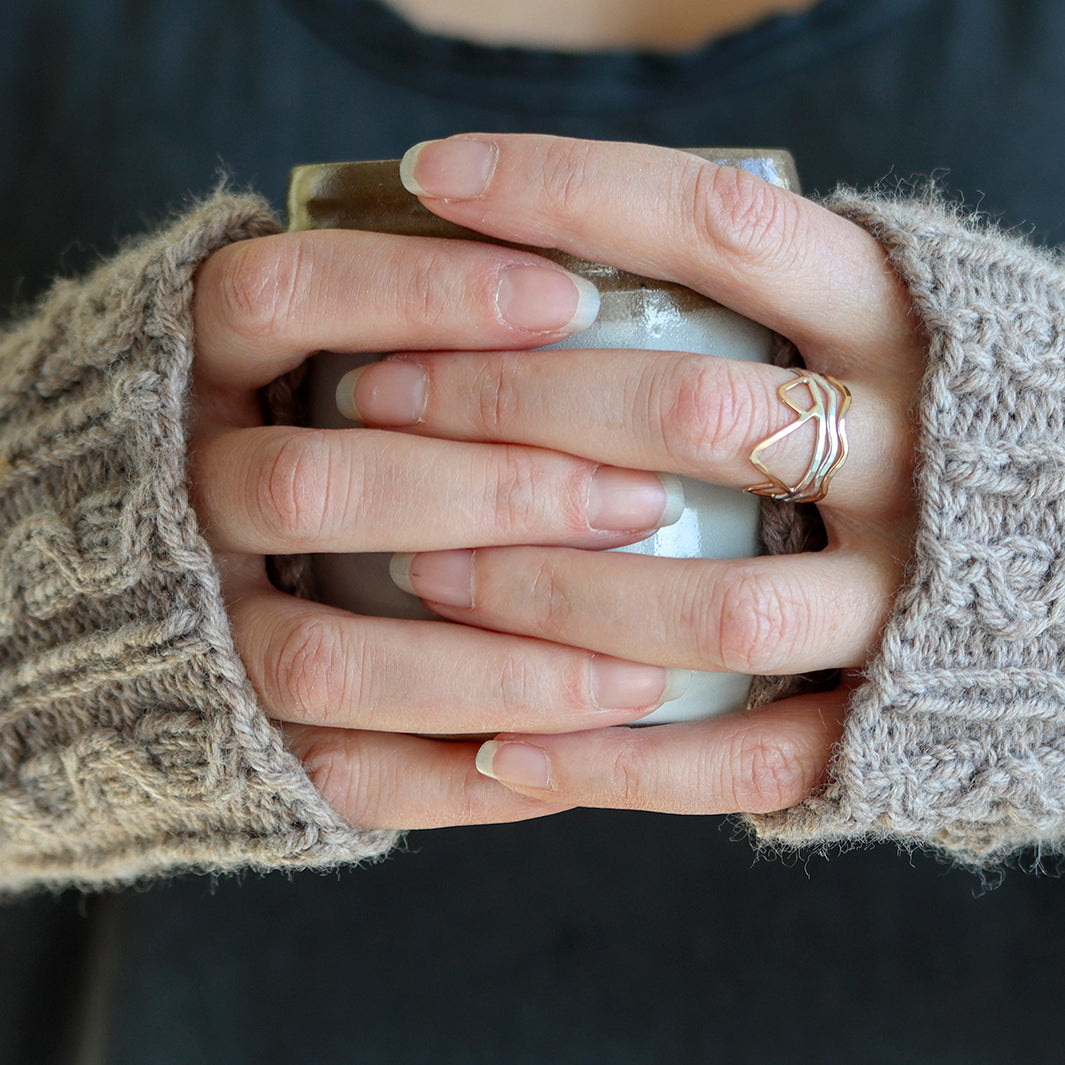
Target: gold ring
829, 402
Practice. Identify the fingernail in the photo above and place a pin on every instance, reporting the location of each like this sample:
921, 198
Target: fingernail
444, 577
618, 684
677, 684
546, 300
627, 500
519, 765
458, 168
384, 393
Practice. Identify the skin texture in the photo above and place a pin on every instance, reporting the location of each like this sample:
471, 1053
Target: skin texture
581, 25
499, 446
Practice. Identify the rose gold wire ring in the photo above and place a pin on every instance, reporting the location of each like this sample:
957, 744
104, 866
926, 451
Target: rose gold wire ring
829, 402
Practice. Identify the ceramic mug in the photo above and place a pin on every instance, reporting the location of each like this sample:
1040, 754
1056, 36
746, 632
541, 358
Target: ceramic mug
635, 312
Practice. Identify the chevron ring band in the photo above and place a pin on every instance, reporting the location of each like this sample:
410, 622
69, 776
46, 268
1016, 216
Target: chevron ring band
829, 402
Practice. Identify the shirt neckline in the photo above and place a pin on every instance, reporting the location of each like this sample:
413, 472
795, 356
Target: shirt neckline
379, 40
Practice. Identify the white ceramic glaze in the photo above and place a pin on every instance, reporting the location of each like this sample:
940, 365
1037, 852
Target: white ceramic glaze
716, 523
635, 313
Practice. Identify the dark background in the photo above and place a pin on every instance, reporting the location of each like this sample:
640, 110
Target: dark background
596, 937
593, 936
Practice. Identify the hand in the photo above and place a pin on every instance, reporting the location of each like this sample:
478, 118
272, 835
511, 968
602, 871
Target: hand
799, 269
355, 693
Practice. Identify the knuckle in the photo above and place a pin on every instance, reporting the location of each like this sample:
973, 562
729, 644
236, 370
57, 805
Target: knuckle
425, 290
498, 400
626, 779
770, 772
352, 783
552, 607
753, 624
329, 771
745, 216
472, 804
259, 283
529, 690
308, 669
565, 165
290, 490
708, 411
517, 687
516, 497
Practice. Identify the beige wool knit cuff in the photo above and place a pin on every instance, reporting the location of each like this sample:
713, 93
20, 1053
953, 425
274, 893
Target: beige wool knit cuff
131, 743
956, 740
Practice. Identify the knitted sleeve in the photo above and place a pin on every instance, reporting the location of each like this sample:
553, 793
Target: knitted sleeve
957, 737
131, 743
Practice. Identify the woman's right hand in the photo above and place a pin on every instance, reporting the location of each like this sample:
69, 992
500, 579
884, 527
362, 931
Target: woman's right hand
358, 696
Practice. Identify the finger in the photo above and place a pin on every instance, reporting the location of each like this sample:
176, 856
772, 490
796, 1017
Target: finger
381, 781
756, 762
694, 415
318, 665
787, 614
280, 490
261, 306
761, 250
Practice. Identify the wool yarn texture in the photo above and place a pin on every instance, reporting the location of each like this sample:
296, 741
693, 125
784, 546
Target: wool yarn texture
956, 739
131, 742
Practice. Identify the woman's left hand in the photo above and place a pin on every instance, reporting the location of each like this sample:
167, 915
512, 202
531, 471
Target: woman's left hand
817, 279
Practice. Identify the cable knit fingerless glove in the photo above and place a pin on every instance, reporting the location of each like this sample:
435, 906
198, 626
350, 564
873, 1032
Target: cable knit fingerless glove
130, 740
957, 737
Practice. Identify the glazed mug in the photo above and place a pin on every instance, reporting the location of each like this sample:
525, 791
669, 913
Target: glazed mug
635, 312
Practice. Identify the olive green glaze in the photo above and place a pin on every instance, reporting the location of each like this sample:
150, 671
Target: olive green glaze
369, 196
